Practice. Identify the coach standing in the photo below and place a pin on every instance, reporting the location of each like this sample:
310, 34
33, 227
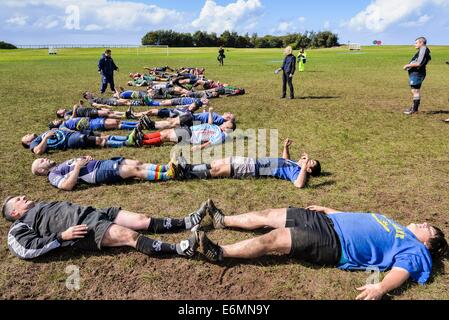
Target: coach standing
417, 72
106, 68
288, 68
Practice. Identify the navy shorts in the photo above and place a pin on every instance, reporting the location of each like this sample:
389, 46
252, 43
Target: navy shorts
416, 80
97, 124
108, 171
78, 140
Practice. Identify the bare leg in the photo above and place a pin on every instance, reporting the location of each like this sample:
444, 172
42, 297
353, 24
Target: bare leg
272, 218
118, 236
167, 124
110, 124
278, 241
131, 220
133, 171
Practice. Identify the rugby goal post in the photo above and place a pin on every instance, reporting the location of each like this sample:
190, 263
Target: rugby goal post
354, 46
146, 49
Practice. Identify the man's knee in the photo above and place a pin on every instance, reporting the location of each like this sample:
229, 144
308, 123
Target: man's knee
278, 240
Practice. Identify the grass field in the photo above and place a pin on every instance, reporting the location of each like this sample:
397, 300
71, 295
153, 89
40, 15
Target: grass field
349, 117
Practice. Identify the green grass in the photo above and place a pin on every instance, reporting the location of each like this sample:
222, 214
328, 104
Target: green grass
350, 119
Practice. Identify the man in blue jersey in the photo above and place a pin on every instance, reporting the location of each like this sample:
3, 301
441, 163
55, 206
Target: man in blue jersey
96, 124
57, 139
327, 237
69, 174
297, 172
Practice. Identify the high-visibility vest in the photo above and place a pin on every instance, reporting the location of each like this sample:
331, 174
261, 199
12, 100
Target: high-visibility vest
301, 60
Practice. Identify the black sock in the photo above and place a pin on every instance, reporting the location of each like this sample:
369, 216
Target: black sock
200, 171
416, 103
151, 247
163, 225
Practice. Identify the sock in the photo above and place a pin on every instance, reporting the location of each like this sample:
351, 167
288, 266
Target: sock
151, 247
152, 142
111, 143
156, 167
163, 225
118, 138
155, 104
201, 171
416, 102
158, 175
128, 125
153, 135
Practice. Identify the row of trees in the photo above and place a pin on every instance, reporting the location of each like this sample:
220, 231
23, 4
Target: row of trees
308, 39
5, 45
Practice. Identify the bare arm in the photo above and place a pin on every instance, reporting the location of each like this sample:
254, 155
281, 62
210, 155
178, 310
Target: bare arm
286, 151
211, 116
42, 147
201, 147
301, 181
75, 107
323, 209
70, 183
394, 279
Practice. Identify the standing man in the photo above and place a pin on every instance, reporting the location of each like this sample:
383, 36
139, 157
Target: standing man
417, 72
288, 68
302, 59
221, 56
106, 68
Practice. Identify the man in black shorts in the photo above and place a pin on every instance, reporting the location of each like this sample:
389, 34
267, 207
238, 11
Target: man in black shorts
327, 237
417, 72
40, 227
79, 110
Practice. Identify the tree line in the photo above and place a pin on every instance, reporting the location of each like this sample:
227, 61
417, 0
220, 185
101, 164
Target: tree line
308, 39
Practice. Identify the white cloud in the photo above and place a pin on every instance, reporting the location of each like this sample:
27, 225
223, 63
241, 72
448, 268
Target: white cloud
17, 20
381, 14
98, 14
293, 26
241, 15
93, 27
326, 25
417, 23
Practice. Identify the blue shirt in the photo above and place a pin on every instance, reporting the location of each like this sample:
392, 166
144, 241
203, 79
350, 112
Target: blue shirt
279, 168
62, 171
203, 117
373, 240
57, 142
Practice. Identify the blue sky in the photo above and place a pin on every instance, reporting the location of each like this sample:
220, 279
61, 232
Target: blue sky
126, 21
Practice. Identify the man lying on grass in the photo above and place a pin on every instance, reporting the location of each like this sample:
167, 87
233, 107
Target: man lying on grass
201, 136
96, 124
79, 110
184, 117
327, 237
57, 139
297, 172
40, 227
69, 174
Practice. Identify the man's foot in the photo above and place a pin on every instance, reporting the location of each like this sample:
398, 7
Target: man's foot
194, 219
216, 215
135, 138
410, 111
147, 123
172, 171
182, 167
282, 97
446, 120
210, 250
291, 98
130, 113
188, 247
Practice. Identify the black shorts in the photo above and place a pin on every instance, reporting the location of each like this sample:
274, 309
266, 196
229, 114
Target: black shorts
314, 239
98, 222
184, 134
186, 120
